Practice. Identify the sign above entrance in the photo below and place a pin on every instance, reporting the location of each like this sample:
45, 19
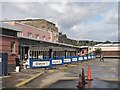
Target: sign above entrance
41, 63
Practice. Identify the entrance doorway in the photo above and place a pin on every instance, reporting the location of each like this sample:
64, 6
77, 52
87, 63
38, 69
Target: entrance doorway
23, 51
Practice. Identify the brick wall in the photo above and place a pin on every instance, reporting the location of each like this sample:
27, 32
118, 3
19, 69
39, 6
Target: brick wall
5, 44
111, 53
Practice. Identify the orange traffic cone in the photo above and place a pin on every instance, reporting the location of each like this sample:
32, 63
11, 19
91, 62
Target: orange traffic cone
89, 77
83, 77
80, 84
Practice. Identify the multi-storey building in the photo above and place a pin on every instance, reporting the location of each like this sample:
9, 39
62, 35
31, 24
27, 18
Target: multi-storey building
38, 28
39, 34
41, 37
32, 38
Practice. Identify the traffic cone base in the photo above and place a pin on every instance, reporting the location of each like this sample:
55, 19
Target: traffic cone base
89, 79
79, 85
84, 83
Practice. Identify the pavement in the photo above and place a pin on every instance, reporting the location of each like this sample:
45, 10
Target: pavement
54, 75
21, 79
49, 79
17, 79
104, 75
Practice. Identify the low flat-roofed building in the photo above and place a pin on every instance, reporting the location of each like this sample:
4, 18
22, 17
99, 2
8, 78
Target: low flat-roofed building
109, 49
34, 40
37, 28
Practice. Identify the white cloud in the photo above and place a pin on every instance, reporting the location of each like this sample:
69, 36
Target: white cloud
59, 7
79, 20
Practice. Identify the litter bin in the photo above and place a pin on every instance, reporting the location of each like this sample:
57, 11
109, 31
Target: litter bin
3, 64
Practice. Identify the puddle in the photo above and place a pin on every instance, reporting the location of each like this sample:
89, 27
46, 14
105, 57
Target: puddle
94, 84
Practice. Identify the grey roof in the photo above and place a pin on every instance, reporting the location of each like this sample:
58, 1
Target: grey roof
29, 19
52, 42
11, 27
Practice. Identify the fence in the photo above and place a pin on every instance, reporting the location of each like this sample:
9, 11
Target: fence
50, 62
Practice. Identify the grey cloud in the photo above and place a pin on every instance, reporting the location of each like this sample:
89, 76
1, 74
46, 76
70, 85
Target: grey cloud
71, 14
25, 10
113, 19
84, 12
12, 11
98, 32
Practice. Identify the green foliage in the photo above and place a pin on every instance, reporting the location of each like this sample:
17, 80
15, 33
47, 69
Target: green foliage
98, 51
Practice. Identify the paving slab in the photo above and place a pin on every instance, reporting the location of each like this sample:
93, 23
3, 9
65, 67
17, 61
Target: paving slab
17, 79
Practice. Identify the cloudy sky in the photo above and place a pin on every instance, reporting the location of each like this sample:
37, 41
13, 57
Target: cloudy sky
97, 21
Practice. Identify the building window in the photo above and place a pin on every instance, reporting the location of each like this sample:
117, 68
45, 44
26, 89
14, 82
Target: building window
12, 47
29, 34
19, 33
8, 32
37, 36
43, 37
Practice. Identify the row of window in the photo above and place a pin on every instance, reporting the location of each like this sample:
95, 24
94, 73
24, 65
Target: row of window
12, 47
36, 36
12, 44
8, 32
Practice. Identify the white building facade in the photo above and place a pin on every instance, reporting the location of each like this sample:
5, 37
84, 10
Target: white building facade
107, 49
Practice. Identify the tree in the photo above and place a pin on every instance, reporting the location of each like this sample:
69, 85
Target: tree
98, 51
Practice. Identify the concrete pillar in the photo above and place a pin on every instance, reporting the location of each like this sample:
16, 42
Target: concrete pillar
23, 52
50, 53
65, 53
21, 57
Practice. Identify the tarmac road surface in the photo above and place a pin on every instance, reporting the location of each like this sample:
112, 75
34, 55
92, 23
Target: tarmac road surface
105, 75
